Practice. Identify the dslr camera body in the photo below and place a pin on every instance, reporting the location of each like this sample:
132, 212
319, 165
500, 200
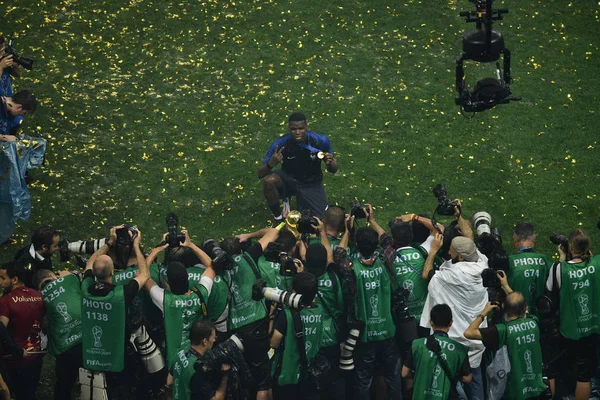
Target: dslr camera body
445, 206
221, 260
174, 236
275, 254
357, 210
306, 222
25, 62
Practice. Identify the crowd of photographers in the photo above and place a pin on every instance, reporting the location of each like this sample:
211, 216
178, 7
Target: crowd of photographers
312, 309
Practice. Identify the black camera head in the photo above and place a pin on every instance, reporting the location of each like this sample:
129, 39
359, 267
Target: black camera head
559, 239
221, 260
306, 222
25, 62
272, 251
287, 265
445, 206
174, 236
357, 210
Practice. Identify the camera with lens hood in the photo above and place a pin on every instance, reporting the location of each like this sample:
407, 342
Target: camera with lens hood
275, 253
25, 62
357, 210
229, 352
221, 260
355, 328
406, 325
489, 243
559, 240
306, 222
174, 236
445, 206
261, 291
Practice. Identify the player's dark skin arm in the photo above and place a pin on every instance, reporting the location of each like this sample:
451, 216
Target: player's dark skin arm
267, 168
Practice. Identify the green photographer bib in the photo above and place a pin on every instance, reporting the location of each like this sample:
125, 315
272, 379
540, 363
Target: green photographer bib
270, 272
333, 241
62, 298
243, 310
579, 299
373, 301
143, 303
527, 274
522, 337
183, 372
180, 313
331, 302
407, 268
286, 364
103, 323
430, 381
194, 275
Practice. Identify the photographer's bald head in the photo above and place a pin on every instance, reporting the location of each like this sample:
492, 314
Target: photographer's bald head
103, 268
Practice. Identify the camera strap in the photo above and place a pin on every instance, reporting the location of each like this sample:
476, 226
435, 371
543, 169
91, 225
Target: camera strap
250, 262
202, 302
334, 285
257, 274
435, 348
299, 331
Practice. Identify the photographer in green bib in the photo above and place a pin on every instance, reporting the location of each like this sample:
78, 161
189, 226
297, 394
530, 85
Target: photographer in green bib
62, 298
248, 318
296, 339
528, 270
268, 263
435, 363
190, 381
318, 261
333, 225
405, 261
573, 288
520, 333
104, 315
376, 348
180, 305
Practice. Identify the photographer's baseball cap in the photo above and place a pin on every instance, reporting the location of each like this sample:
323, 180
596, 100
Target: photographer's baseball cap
466, 248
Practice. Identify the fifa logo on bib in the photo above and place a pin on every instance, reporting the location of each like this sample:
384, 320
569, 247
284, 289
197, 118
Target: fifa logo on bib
307, 347
409, 285
63, 311
583, 302
528, 365
436, 374
235, 289
374, 300
97, 333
